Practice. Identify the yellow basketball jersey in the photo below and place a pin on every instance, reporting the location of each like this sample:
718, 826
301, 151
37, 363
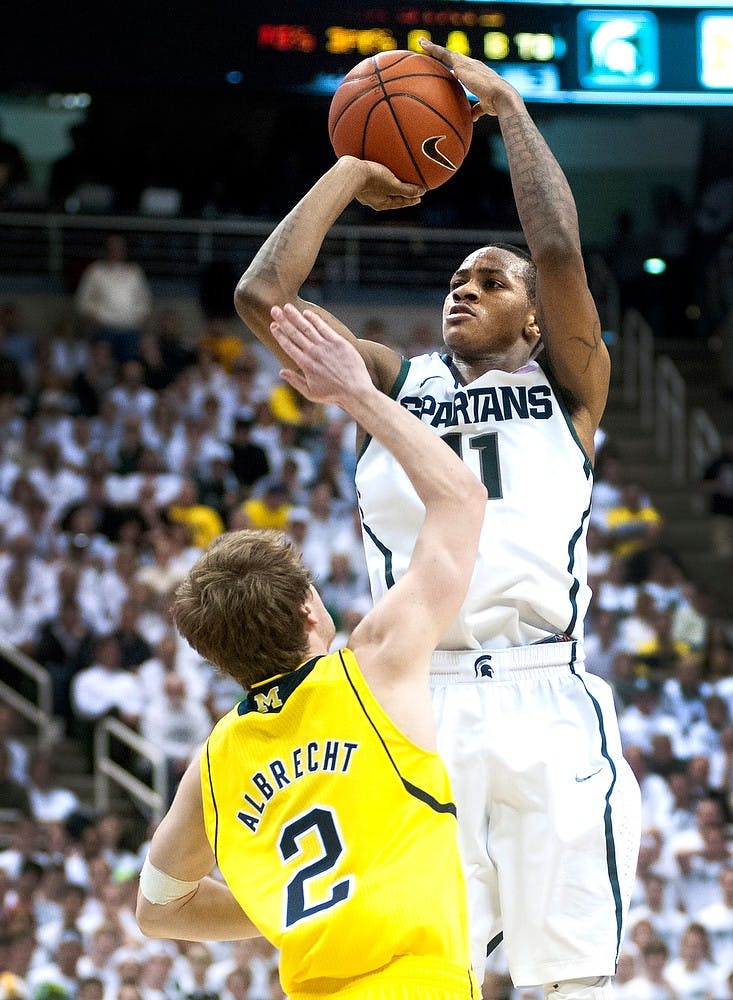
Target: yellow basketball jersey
335, 833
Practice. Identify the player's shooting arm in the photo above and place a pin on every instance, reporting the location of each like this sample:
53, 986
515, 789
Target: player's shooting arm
178, 865
284, 262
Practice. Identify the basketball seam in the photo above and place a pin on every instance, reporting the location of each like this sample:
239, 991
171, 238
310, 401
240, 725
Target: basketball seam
362, 93
396, 120
379, 85
434, 110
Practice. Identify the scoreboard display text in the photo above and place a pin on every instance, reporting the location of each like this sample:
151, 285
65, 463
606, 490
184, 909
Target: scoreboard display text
554, 52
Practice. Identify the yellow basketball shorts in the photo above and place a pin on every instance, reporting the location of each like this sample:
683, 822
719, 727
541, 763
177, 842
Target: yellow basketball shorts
407, 978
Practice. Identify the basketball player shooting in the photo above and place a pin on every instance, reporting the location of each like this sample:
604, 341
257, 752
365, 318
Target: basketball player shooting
329, 754
548, 807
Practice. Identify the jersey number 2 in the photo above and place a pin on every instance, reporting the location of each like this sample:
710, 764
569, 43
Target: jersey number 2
487, 446
322, 822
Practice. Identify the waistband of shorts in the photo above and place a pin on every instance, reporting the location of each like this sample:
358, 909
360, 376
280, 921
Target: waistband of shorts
454, 665
442, 977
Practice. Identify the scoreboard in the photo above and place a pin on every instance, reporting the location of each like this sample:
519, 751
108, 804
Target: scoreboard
573, 52
591, 52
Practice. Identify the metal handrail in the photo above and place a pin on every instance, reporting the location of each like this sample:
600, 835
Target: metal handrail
637, 366
107, 770
39, 714
671, 417
344, 257
705, 442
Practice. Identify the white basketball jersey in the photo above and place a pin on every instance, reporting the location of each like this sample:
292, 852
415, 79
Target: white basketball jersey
514, 431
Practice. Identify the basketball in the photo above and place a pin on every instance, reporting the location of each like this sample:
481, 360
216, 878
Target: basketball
404, 110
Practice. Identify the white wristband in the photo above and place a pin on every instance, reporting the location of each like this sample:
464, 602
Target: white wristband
157, 887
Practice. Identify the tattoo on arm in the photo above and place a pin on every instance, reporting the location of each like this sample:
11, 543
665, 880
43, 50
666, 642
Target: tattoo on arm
267, 263
541, 190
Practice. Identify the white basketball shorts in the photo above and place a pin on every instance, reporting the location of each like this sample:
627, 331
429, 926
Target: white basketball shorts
548, 809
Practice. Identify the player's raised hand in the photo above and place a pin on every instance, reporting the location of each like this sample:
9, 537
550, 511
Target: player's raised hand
381, 190
494, 94
331, 369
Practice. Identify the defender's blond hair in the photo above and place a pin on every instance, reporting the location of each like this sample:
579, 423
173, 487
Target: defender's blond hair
241, 605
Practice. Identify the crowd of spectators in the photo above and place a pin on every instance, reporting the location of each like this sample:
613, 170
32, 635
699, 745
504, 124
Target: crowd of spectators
126, 448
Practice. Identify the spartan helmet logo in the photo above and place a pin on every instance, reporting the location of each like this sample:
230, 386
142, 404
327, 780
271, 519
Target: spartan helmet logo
430, 148
482, 666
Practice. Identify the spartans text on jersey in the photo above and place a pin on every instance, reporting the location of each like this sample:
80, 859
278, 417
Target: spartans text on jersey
482, 403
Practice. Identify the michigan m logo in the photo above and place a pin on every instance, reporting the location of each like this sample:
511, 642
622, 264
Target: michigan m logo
268, 702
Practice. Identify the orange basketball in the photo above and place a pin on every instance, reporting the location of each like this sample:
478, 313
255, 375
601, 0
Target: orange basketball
405, 110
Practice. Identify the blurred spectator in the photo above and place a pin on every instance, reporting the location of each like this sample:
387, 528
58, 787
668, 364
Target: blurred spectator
717, 486
656, 798
660, 910
204, 523
602, 644
647, 716
57, 485
115, 299
684, 695
700, 869
342, 588
607, 488
704, 737
717, 919
153, 672
651, 983
616, 593
91, 387
175, 352
691, 617
217, 486
249, 461
130, 396
599, 557
693, 973
16, 343
62, 971
632, 524
134, 648
50, 802
194, 977
721, 768
18, 752
166, 570
20, 614
177, 725
102, 689
64, 645
13, 796
218, 340
72, 898
271, 510
663, 579
255, 957
156, 982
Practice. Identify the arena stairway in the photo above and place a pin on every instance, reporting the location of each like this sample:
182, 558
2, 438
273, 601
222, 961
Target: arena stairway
686, 529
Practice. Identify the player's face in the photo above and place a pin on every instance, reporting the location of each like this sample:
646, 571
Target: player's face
487, 309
